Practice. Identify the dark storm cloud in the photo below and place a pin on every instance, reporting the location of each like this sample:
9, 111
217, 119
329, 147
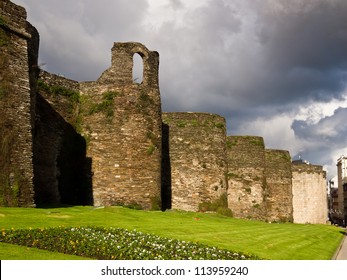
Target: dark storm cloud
76, 36
251, 58
194, 58
330, 130
258, 54
304, 48
326, 139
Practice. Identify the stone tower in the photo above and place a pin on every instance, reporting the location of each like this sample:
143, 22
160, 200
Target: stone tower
246, 176
122, 125
279, 196
309, 194
196, 152
18, 57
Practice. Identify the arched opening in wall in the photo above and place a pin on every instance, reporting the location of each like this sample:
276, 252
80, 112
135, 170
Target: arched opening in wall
137, 69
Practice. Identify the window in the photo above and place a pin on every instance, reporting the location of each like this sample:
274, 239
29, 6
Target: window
137, 68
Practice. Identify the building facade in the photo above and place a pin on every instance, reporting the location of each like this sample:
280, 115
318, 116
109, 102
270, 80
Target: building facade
341, 214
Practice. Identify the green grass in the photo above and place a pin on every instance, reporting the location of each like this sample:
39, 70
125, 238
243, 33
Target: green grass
270, 241
15, 252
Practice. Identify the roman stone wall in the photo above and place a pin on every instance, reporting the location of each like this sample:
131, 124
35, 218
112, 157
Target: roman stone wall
63, 95
196, 149
16, 176
279, 198
309, 194
106, 142
122, 125
246, 176
60, 164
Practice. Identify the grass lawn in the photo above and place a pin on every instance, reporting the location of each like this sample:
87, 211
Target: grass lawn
15, 252
270, 241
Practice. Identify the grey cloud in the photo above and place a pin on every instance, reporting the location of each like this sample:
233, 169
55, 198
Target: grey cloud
76, 37
286, 58
324, 139
323, 144
331, 130
176, 4
311, 39
306, 46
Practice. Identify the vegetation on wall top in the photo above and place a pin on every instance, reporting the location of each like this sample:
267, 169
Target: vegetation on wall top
73, 95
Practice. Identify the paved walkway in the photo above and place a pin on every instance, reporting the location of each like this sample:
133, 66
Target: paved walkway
341, 253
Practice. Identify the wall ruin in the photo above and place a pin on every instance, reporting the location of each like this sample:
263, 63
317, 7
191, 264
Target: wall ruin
278, 173
260, 180
309, 194
197, 154
122, 125
17, 106
60, 163
107, 142
246, 176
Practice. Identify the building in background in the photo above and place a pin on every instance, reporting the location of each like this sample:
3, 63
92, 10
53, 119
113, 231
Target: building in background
340, 216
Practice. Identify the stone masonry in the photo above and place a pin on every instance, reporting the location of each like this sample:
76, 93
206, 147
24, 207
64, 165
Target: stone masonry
17, 107
264, 185
197, 158
106, 142
279, 197
246, 176
309, 194
122, 125
60, 163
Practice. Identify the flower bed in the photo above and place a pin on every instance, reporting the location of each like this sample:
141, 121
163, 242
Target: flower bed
116, 243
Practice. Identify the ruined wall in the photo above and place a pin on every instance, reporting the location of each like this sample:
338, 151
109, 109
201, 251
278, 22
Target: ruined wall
309, 194
279, 198
16, 103
104, 142
60, 163
122, 125
63, 95
197, 154
246, 176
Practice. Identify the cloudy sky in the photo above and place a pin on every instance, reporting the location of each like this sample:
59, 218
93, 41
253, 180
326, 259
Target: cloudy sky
272, 68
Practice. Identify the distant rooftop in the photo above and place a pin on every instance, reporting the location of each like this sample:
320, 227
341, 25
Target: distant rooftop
300, 161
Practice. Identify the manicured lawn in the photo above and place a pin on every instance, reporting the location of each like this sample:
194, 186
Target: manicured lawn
269, 241
15, 252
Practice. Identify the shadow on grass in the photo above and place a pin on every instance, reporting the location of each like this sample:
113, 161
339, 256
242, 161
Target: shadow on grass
53, 206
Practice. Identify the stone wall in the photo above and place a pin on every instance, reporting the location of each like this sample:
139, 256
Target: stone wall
309, 194
60, 164
279, 198
122, 125
246, 176
16, 102
197, 154
107, 142
63, 95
